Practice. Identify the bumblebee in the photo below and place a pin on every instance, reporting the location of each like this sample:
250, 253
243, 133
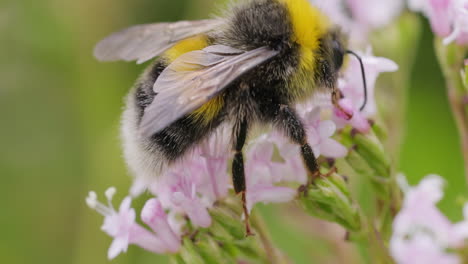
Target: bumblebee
248, 67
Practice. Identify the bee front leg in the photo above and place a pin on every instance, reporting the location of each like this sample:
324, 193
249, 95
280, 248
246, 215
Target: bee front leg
288, 121
238, 172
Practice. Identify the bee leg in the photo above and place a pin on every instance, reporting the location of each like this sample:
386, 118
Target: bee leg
288, 121
238, 173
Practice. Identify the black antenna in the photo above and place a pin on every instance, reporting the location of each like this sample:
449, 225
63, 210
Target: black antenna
363, 77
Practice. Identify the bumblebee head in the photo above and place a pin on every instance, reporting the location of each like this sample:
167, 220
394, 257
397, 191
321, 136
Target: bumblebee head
334, 43
338, 50
333, 55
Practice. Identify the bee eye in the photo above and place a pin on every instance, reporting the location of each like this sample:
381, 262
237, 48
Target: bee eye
338, 54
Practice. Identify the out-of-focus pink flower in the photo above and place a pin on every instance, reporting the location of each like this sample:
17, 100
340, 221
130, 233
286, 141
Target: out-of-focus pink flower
448, 18
319, 133
421, 233
421, 249
459, 24
122, 227
375, 14
352, 87
363, 16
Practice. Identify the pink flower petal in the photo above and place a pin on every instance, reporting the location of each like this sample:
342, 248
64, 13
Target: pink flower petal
316, 149
268, 194
332, 149
117, 246
360, 123
327, 128
194, 209
439, 14
145, 239
154, 216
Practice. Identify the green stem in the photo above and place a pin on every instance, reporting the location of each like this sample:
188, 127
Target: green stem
451, 61
274, 255
377, 245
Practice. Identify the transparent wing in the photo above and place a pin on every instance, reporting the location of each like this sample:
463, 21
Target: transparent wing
194, 78
144, 42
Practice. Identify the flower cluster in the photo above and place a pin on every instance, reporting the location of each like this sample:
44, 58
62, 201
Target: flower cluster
421, 233
448, 18
351, 85
185, 194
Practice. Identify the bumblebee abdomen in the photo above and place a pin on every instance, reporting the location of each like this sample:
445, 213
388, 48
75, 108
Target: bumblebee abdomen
194, 43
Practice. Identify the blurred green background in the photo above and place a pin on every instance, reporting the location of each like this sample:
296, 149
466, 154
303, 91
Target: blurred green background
59, 113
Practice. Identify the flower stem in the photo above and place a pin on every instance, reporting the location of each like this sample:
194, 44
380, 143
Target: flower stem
451, 60
274, 255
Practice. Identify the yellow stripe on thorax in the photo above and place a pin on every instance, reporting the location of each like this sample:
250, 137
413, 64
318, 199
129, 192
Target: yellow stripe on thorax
309, 25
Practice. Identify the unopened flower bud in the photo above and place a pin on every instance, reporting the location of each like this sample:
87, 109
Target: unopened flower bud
329, 199
372, 152
362, 168
379, 131
212, 253
229, 222
189, 253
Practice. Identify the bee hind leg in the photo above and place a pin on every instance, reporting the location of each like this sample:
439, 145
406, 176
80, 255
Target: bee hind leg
238, 172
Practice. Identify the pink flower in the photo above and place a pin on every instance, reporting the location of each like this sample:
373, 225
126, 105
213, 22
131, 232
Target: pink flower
154, 216
192, 185
292, 169
375, 14
319, 133
358, 119
438, 12
359, 17
459, 23
267, 193
122, 227
352, 87
263, 174
177, 190
448, 18
421, 233
214, 155
260, 174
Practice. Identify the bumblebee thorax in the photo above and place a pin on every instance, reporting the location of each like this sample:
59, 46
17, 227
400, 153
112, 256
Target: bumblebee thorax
308, 22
